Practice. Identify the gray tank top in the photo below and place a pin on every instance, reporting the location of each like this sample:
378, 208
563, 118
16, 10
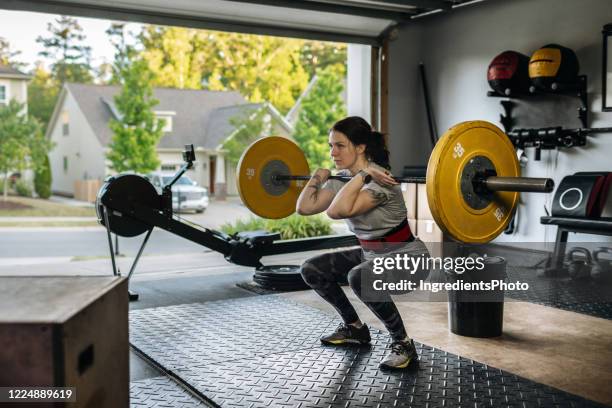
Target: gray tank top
381, 219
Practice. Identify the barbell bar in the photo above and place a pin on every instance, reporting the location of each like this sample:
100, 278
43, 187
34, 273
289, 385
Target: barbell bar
491, 183
472, 181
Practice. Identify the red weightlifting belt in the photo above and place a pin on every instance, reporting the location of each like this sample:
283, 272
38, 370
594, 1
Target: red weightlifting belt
400, 233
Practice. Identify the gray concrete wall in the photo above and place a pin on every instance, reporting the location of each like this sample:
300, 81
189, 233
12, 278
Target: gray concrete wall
457, 48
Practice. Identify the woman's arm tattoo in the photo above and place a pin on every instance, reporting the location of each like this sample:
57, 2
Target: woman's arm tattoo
317, 187
377, 196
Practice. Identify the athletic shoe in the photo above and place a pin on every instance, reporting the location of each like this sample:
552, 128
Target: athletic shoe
347, 334
400, 356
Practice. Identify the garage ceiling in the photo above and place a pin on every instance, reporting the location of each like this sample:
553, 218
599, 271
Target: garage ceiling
355, 21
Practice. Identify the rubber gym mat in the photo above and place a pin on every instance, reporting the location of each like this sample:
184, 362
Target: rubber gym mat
264, 351
203, 333
161, 392
587, 297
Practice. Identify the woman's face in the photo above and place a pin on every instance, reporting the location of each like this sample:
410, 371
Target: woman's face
342, 150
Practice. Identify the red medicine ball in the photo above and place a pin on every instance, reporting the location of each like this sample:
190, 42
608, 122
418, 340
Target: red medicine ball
508, 73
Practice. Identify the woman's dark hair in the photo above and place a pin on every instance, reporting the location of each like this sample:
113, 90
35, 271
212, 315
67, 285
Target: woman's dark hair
359, 131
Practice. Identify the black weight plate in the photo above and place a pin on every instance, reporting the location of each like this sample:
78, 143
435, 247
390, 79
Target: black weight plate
269, 282
279, 270
292, 278
126, 190
279, 281
281, 286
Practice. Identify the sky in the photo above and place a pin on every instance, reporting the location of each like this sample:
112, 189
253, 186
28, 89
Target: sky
22, 28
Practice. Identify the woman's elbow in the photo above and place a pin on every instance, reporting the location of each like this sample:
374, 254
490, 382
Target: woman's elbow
334, 214
303, 210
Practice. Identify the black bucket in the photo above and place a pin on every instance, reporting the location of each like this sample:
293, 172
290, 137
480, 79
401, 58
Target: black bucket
478, 313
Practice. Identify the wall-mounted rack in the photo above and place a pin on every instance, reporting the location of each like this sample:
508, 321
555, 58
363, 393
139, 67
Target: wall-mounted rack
577, 89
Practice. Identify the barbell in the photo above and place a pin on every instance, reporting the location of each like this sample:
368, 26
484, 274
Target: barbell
472, 180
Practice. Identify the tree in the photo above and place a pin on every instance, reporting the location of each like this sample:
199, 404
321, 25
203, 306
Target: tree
22, 143
72, 60
250, 126
137, 132
318, 55
124, 52
42, 179
260, 68
7, 56
176, 55
321, 108
42, 95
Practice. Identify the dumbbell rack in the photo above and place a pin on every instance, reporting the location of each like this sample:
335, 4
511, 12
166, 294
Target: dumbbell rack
554, 266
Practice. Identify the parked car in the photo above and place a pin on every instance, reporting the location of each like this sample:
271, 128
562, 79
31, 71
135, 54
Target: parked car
187, 195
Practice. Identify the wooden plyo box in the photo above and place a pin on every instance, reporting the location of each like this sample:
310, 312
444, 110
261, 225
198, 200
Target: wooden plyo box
66, 332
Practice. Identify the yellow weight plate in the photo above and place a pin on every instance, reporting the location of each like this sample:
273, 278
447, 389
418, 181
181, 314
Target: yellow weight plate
265, 157
452, 153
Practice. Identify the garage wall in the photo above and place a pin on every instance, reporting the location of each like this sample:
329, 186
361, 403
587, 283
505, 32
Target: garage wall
457, 48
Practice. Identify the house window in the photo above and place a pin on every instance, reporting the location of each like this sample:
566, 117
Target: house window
167, 123
3, 94
168, 167
167, 116
65, 163
65, 123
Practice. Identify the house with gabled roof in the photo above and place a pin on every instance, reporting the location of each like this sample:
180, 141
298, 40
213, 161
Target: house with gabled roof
13, 85
79, 129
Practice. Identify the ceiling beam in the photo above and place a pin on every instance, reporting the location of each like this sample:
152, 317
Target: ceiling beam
420, 4
170, 19
354, 9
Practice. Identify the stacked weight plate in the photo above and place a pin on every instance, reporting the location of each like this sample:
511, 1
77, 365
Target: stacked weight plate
280, 277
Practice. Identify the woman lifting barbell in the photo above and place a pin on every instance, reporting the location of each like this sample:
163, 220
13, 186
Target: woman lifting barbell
372, 205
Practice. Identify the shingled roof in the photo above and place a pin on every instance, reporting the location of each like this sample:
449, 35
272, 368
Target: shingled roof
7, 71
201, 117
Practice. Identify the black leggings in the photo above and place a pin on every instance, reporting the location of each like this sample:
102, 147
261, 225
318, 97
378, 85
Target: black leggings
323, 272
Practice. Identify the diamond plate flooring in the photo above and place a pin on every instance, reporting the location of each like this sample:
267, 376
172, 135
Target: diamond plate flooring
204, 333
587, 297
161, 392
264, 352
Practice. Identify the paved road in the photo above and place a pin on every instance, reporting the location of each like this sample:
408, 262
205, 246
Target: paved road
51, 242
92, 241
26, 242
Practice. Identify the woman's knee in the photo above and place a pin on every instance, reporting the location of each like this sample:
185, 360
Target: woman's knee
354, 279
313, 271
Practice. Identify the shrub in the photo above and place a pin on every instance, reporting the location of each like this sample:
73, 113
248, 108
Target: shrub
292, 227
23, 189
42, 179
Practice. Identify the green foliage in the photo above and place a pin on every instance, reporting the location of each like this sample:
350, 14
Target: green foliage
318, 55
43, 90
136, 134
42, 179
65, 45
292, 227
22, 143
259, 67
249, 127
320, 109
7, 56
176, 55
124, 53
23, 189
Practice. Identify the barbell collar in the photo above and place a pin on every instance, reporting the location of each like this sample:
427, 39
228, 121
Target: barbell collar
518, 184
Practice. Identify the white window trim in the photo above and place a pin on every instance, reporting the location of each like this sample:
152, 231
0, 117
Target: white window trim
7, 91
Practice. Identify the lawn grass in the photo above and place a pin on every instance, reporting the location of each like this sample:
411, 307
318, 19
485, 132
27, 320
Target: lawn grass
34, 224
36, 207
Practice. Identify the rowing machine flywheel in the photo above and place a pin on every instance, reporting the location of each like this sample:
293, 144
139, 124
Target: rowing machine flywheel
130, 192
